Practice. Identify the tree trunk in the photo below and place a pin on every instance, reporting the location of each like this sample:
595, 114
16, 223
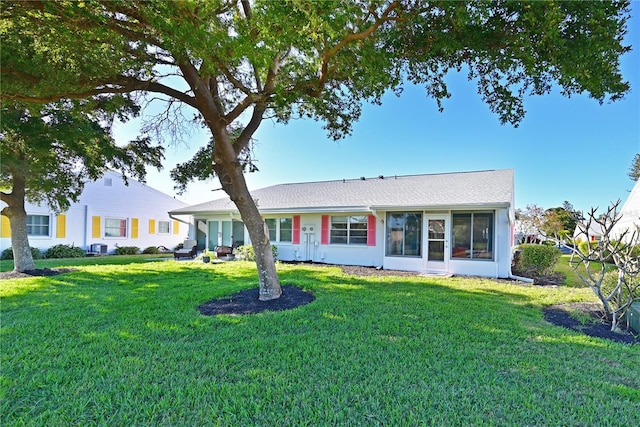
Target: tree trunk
234, 184
22, 258
15, 211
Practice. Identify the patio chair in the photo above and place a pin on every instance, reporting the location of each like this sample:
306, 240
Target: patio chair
189, 250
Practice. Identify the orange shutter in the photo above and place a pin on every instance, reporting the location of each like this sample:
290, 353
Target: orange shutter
152, 226
176, 227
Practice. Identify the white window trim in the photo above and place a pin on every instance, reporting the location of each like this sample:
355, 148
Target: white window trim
127, 231
41, 236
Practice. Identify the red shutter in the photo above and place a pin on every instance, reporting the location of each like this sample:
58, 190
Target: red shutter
324, 236
371, 231
296, 229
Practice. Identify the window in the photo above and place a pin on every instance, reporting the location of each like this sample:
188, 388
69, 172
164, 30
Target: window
163, 227
115, 227
38, 225
472, 236
348, 230
404, 234
271, 225
282, 227
286, 229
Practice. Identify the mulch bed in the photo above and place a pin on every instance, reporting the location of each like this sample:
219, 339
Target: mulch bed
560, 315
247, 302
36, 272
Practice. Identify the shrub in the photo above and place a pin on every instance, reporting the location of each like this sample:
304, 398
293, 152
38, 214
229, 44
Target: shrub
247, 252
537, 259
151, 250
583, 246
127, 250
64, 251
7, 254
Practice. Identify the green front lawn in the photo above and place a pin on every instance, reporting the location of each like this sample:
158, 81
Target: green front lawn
125, 345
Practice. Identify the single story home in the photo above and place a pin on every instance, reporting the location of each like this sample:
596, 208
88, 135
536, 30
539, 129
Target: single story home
448, 223
593, 233
107, 214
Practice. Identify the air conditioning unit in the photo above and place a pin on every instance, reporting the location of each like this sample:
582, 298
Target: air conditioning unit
633, 317
99, 248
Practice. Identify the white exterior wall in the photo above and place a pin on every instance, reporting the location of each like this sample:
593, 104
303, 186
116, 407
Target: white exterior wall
310, 247
630, 217
115, 201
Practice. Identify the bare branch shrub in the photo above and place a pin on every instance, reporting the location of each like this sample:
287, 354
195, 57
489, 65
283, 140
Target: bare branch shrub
617, 290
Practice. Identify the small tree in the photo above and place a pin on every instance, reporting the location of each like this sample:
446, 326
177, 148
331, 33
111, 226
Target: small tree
615, 299
634, 170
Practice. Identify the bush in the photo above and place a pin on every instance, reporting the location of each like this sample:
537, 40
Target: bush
583, 246
537, 259
247, 253
7, 254
127, 250
64, 251
151, 250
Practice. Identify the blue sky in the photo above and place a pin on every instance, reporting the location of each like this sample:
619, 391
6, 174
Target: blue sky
570, 149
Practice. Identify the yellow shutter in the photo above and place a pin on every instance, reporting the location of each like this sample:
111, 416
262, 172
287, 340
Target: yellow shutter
176, 227
152, 226
134, 228
95, 227
61, 226
5, 227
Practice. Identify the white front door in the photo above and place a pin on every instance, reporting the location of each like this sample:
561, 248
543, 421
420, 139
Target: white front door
437, 244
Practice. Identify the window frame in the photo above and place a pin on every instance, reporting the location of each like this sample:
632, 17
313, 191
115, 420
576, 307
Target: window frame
418, 239
168, 227
30, 226
120, 236
352, 235
472, 253
276, 233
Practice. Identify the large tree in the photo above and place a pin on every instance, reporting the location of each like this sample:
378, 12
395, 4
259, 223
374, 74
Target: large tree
244, 60
50, 152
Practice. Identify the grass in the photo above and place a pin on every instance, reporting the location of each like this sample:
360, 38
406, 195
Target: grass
572, 279
125, 345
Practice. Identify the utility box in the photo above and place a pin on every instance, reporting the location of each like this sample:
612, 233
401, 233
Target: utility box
633, 317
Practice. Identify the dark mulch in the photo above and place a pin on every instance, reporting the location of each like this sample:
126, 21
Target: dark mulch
36, 272
247, 302
560, 315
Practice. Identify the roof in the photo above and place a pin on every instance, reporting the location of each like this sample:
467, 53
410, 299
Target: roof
446, 190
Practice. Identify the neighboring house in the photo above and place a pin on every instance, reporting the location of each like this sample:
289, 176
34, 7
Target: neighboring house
107, 213
630, 215
452, 223
593, 234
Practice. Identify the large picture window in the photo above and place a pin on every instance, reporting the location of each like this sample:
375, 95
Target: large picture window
348, 230
472, 236
38, 225
404, 234
115, 227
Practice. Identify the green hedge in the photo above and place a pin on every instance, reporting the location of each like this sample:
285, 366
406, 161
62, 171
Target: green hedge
7, 254
127, 250
247, 252
64, 251
537, 259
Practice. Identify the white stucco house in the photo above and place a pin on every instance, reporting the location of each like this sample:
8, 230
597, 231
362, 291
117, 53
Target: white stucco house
108, 213
450, 223
630, 216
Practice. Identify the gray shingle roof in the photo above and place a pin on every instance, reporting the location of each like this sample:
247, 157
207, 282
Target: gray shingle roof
433, 191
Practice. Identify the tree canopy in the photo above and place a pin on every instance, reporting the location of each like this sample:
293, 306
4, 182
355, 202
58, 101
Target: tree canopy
49, 153
238, 62
634, 170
